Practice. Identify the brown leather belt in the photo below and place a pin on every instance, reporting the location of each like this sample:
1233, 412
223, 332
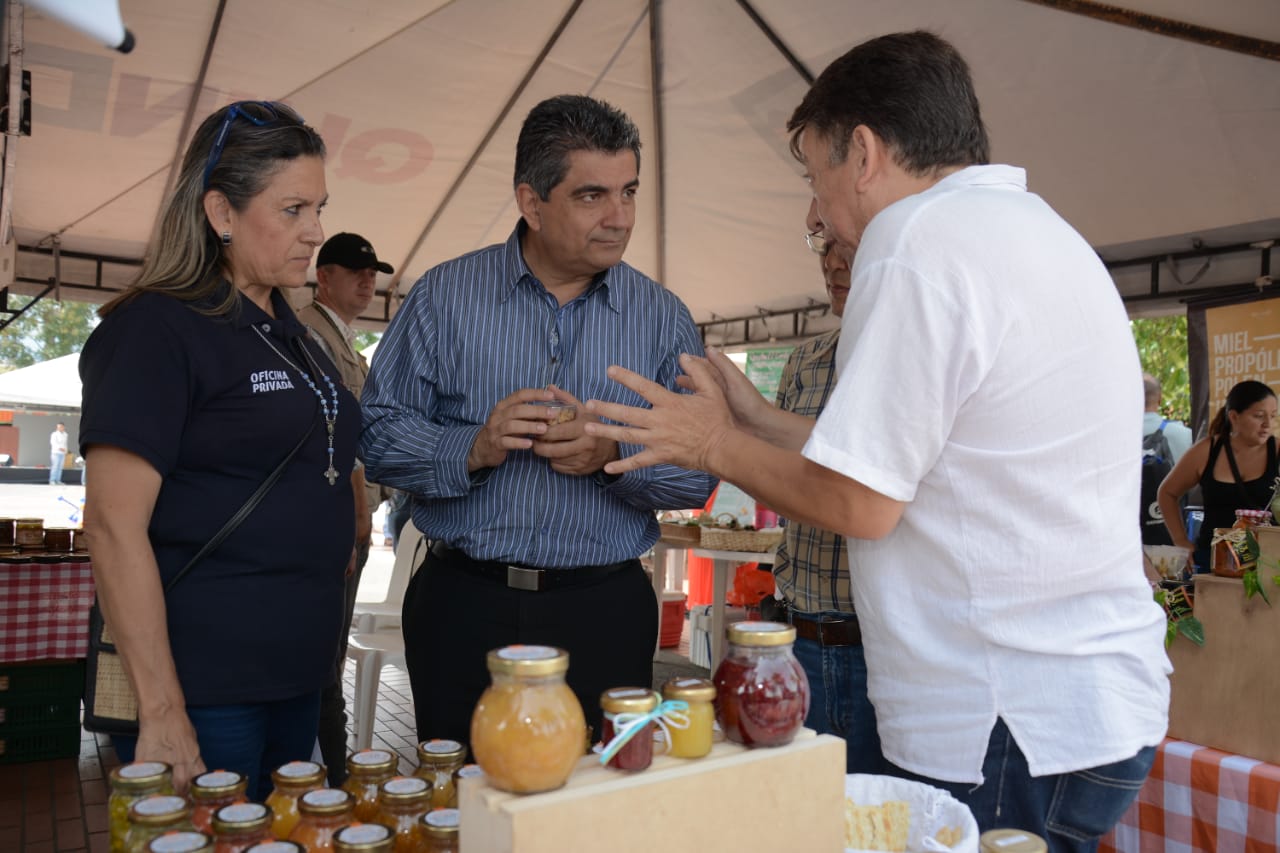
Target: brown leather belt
828, 632
528, 578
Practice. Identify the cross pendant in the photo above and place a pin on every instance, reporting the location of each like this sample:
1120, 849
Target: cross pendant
331, 475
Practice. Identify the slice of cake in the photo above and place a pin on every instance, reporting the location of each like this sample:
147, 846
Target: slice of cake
882, 827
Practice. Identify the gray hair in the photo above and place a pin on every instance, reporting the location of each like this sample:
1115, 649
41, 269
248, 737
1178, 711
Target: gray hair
561, 125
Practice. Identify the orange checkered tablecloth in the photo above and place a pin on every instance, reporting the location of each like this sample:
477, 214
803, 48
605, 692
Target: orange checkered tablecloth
44, 610
1202, 799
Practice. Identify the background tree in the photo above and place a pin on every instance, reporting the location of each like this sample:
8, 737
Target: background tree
50, 329
1162, 348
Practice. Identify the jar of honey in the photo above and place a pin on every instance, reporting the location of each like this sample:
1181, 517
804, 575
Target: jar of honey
762, 694
438, 760
692, 740
366, 770
1233, 554
363, 838
186, 841
527, 731
402, 801
210, 792
239, 826
6, 534
57, 540
624, 709
321, 813
466, 771
440, 830
291, 781
130, 783
29, 534
155, 815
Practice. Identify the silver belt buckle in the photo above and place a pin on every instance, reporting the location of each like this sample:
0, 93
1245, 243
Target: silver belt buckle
518, 577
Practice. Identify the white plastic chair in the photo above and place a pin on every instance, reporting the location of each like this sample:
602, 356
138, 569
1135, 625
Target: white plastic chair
373, 616
372, 651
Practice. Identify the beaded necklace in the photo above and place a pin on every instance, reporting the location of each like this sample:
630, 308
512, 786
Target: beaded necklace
330, 418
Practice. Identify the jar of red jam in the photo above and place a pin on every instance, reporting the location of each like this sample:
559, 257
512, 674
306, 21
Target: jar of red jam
239, 826
762, 694
623, 708
438, 760
210, 792
527, 729
366, 770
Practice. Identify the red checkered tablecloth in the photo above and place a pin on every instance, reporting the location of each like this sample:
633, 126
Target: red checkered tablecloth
44, 611
1202, 799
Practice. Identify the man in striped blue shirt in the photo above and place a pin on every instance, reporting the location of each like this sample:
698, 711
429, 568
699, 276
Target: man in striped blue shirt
533, 541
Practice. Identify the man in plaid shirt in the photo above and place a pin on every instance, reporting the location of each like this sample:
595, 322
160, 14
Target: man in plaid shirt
812, 565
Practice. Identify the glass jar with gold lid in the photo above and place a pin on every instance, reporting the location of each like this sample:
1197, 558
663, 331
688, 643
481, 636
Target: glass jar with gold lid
527, 729
402, 801
130, 783
624, 711
240, 825
363, 838
366, 770
440, 830
694, 739
437, 762
1011, 841
321, 813
29, 534
185, 841
210, 792
291, 781
275, 845
762, 693
154, 815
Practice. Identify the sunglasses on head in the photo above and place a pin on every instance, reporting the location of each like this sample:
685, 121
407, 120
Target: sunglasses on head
237, 110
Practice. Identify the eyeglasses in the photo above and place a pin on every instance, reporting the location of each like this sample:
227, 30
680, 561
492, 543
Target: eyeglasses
818, 242
237, 110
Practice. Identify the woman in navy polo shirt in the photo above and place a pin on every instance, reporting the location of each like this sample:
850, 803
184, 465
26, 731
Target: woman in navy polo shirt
197, 383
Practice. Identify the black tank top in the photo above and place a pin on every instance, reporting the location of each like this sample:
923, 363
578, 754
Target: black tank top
1221, 500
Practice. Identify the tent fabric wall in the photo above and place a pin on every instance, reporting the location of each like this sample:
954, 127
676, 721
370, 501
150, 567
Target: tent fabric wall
1136, 138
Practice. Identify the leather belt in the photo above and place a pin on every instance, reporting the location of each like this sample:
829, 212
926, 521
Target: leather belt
527, 578
828, 632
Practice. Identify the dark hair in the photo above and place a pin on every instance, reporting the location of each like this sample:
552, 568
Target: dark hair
1241, 396
913, 90
185, 261
564, 124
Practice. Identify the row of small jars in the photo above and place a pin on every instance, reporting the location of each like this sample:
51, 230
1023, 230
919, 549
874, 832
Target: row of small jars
525, 731
30, 534
142, 805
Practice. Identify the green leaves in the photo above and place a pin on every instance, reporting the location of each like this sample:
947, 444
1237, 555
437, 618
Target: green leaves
1179, 619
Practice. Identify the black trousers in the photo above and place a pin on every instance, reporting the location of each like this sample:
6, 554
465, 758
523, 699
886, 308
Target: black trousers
452, 619
333, 706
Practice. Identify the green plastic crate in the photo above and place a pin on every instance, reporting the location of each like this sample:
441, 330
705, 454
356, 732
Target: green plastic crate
40, 711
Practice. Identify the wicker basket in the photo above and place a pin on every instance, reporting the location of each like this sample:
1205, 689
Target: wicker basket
727, 539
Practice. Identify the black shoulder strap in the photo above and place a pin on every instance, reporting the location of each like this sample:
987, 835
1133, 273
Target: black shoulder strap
243, 512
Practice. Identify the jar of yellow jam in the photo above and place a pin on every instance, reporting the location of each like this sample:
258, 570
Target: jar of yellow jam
155, 815
291, 781
321, 813
366, 770
363, 838
402, 802
693, 740
130, 783
210, 792
440, 830
527, 728
239, 826
438, 760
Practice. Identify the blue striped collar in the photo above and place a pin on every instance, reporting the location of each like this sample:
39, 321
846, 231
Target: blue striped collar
518, 270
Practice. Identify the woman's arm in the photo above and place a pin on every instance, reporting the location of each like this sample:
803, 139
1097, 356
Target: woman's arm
1178, 482
118, 506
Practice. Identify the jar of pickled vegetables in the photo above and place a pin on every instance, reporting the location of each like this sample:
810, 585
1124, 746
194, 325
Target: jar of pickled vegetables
762, 694
692, 740
291, 781
437, 762
440, 830
130, 783
320, 814
402, 801
152, 815
185, 841
527, 729
239, 826
363, 838
624, 713
366, 770
210, 792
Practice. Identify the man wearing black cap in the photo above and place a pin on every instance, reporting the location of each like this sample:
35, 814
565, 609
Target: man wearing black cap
346, 272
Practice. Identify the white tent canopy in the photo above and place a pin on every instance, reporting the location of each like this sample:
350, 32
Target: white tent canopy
53, 384
1146, 143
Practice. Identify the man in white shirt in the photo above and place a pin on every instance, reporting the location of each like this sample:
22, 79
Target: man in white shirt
57, 453
978, 447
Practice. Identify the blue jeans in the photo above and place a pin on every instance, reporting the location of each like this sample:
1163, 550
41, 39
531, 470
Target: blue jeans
1071, 811
251, 739
55, 467
838, 702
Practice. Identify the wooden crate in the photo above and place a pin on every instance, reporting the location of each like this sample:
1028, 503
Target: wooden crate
785, 798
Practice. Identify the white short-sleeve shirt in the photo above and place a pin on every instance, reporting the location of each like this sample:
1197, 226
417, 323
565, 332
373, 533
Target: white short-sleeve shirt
994, 386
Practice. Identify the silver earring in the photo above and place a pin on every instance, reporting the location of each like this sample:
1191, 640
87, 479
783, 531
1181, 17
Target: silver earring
226, 238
